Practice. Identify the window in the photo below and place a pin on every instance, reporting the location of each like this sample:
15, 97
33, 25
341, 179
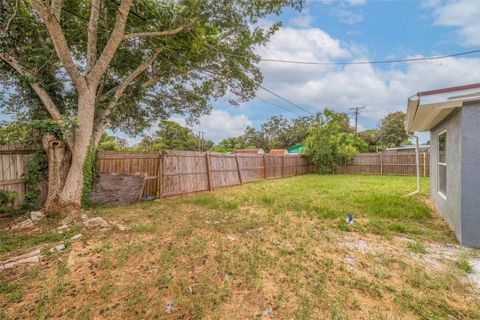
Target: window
442, 164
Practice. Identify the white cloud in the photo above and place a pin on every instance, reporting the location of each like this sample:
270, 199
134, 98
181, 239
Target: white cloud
350, 2
219, 124
462, 14
356, 2
346, 16
304, 20
380, 89
343, 10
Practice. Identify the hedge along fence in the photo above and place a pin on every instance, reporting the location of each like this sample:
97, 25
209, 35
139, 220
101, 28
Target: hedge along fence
401, 164
179, 172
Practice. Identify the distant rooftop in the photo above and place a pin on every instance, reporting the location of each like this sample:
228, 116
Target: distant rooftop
251, 151
278, 151
408, 147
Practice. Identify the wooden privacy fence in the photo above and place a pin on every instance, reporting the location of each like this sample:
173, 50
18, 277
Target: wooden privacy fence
13, 161
402, 164
178, 172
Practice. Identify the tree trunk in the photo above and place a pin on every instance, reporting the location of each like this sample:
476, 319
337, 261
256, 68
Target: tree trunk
59, 158
66, 188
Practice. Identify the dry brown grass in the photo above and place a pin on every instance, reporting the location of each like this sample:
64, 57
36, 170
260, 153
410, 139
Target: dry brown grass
236, 252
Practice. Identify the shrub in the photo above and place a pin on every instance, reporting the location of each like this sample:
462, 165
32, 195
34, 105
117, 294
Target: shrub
7, 197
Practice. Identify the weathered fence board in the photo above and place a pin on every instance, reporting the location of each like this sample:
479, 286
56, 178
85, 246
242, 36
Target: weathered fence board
132, 163
184, 172
13, 161
402, 164
179, 172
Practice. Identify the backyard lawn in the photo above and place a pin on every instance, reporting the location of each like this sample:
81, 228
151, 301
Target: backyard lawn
277, 249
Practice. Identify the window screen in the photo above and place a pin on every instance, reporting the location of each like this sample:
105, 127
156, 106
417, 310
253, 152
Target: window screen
442, 163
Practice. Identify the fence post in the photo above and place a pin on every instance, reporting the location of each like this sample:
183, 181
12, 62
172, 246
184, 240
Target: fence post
381, 164
296, 165
159, 175
424, 165
264, 167
281, 174
209, 175
238, 169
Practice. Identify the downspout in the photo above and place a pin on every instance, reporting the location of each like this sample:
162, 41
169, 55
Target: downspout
417, 163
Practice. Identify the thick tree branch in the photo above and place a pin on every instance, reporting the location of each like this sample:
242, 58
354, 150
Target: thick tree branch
116, 38
57, 8
92, 35
102, 122
156, 33
42, 93
59, 42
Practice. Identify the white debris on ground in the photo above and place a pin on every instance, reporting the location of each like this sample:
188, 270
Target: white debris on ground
354, 243
63, 228
350, 260
35, 256
120, 226
23, 225
267, 312
36, 216
27, 258
474, 276
57, 248
169, 308
76, 237
231, 238
96, 222
438, 256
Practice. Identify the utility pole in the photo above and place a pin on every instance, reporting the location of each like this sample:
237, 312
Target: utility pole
356, 112
200, 140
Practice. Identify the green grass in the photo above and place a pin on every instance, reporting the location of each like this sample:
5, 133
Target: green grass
234, 252
13, 241
417, 247
463, 264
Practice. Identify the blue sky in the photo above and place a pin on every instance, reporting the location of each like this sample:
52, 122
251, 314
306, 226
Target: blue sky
354, 30
351, 31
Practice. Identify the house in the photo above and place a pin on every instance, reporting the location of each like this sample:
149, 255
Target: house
296, 149
278, 151
250, 151
452, 116
409, 149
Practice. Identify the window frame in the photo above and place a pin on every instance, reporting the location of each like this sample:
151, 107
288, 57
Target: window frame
444, 164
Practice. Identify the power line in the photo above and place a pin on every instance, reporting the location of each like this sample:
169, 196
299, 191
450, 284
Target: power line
374, 61
286, 100
278, 105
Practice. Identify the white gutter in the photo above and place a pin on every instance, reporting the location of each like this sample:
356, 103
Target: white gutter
417, 163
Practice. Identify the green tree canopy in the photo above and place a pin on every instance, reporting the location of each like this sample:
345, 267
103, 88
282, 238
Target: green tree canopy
111, 143
98, 64
172, 136
330, 142
13, 133
229, 145
372, 138
392, 128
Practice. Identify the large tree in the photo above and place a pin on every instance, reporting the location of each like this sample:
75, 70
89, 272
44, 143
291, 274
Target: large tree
392, 128
98, 64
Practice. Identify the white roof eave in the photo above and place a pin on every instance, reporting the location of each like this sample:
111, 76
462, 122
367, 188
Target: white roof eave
423, 117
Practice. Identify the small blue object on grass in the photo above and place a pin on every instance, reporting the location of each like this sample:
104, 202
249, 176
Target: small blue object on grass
146, 197
350, 219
